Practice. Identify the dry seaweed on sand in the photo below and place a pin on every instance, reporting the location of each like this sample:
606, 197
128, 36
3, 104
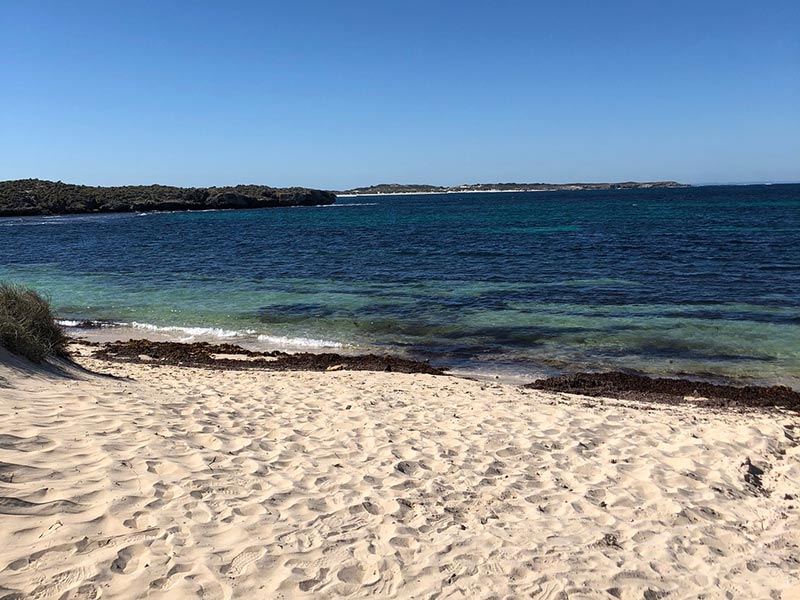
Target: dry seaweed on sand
630, 386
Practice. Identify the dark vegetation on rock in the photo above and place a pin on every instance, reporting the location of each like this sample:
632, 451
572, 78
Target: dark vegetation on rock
629, 386
397, 188
24, 197
203, 354
27, 325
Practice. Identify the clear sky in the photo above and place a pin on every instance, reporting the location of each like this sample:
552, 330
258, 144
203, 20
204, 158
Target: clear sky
340, 93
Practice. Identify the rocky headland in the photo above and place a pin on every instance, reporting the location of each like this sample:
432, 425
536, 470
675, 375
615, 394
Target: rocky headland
24, 197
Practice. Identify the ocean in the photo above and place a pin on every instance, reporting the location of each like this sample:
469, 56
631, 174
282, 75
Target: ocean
701, 281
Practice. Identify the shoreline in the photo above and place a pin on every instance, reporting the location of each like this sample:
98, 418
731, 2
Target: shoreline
190, 482
505, 370
628, 385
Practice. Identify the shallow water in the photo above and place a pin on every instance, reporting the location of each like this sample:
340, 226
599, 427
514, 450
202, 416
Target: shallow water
701, 280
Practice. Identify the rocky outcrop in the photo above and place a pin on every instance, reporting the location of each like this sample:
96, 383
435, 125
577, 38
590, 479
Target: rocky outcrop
24, 197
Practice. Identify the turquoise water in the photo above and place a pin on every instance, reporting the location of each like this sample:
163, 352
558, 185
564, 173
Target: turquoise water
704, 281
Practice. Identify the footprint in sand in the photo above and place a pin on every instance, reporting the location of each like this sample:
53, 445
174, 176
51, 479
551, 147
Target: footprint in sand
209, 589
493, 568
118, 540
88, 591
389, 578
508, 452
328, 560
197, 512
339, 525
308, 585
359, 574
44, 558
630, 575
173, 576
208, 441
58, 584
548, 591
371, 507
249, 510
239, 564
301, 541
407, 467
226, 491
160, 467
128, 558
353, 574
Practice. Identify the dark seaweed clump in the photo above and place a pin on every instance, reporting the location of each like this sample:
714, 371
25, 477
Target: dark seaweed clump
203, 354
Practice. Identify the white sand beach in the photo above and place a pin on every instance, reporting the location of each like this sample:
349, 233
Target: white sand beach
169, 482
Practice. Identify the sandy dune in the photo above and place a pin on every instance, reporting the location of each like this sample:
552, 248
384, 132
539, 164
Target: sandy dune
194, 483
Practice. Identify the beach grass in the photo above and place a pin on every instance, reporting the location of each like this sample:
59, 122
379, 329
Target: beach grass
27, 324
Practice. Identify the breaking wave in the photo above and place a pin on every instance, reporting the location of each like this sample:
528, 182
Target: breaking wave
213, 332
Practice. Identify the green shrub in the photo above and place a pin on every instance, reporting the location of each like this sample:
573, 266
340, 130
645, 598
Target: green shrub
27, 326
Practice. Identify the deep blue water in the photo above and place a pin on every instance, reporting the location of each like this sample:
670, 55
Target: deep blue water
701, 280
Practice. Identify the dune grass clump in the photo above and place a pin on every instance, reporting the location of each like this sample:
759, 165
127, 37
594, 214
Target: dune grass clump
27, 325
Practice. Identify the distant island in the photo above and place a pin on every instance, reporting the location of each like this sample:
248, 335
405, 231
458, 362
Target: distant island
24, 197
396, 188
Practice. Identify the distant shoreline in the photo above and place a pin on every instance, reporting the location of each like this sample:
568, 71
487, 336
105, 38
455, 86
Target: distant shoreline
347, 195
515, 191
566, 188
395, 189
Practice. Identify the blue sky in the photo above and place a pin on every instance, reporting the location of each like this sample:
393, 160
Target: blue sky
336, 94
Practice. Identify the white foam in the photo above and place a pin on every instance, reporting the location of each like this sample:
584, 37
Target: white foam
298, 341
350, 204
192, 331
218, 332
68, 323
